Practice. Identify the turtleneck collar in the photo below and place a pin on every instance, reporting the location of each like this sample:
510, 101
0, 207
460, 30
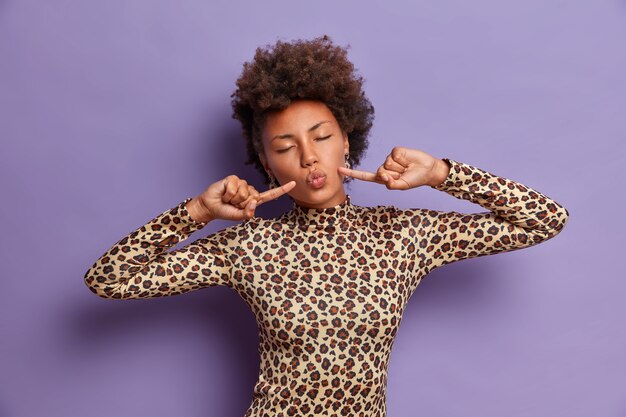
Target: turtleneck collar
339, 218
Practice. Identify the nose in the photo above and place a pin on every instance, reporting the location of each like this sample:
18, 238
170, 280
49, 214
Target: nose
309, 157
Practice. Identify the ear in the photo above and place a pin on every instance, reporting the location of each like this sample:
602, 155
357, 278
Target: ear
264, 162
346, 143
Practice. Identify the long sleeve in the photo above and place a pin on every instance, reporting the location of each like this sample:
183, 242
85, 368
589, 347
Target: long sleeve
138, 266
518, 217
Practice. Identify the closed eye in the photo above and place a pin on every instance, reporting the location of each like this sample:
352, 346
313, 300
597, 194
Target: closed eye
285, 150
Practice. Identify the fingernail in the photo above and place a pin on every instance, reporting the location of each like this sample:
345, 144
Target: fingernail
384, 177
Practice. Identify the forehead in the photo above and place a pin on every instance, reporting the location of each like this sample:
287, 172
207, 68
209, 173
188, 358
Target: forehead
299, 116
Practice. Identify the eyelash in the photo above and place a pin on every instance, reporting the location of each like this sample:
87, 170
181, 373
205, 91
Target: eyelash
285, 150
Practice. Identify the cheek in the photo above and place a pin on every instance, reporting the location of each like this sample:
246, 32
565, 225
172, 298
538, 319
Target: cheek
341, 161
286, 170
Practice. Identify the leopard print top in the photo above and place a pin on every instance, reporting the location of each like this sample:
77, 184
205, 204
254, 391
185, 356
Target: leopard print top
328, 287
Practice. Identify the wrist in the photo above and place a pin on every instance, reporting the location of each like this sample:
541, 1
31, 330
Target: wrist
197, 211
440, 171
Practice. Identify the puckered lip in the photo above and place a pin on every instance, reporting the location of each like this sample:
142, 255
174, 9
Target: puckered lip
315, 174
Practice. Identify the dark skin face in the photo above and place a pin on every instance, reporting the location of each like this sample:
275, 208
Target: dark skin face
300, 139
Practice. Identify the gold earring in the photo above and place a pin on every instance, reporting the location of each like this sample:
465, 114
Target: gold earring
273, 183
347, 162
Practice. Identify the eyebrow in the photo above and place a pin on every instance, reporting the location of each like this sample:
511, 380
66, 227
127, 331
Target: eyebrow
290, 135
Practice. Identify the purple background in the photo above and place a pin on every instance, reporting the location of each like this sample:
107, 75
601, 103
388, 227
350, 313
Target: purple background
113, 111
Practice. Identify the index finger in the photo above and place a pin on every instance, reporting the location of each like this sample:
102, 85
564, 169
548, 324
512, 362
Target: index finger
274, 193
362, 175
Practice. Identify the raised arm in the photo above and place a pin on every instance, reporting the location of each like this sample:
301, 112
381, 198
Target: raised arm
138, 266
518, 217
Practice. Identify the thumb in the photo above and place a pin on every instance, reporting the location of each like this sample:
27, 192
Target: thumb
394, 184
250, 208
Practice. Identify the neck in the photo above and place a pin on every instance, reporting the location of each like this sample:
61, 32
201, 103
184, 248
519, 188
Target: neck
341, 217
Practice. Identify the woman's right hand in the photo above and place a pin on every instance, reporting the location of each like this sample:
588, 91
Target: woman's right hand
232, 198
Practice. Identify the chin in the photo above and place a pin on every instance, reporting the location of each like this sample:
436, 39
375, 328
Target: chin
319, 196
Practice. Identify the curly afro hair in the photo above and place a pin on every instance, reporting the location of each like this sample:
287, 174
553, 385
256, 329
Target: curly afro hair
303, 69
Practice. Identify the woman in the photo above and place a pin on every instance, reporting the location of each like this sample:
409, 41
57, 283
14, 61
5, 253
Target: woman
328, 281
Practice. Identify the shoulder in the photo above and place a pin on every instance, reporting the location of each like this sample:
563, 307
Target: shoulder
402, 217
260, 226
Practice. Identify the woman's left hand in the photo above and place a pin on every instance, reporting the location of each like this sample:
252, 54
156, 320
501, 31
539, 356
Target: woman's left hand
403, 169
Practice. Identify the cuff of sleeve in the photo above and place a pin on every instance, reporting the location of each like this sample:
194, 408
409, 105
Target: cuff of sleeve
452, 175
186, 217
